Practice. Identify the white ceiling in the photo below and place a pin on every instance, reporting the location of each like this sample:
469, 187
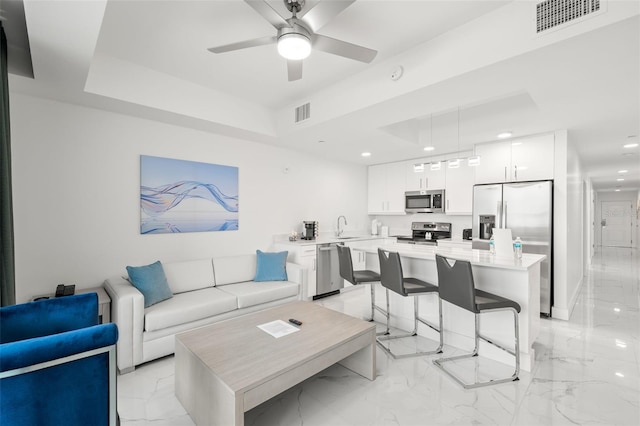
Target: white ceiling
584, 79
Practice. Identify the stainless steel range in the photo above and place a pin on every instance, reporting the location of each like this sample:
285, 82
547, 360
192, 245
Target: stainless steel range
427, 233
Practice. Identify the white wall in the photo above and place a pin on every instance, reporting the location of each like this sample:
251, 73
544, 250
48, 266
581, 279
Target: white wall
560, 308
76, 193
632, 197
575, 226
568, 229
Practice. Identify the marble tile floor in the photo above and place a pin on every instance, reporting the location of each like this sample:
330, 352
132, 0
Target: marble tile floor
587, 372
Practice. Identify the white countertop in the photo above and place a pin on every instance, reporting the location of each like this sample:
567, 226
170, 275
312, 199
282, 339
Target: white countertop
327, 239
476, 257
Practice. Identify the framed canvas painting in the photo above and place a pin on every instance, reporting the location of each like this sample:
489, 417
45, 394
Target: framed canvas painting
187, 196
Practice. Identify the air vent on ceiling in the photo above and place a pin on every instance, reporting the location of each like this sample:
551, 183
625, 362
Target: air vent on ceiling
303, 112
551, 13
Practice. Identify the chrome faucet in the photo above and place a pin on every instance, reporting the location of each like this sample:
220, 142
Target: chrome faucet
340, 231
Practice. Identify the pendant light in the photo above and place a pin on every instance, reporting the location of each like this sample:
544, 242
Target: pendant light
454, 164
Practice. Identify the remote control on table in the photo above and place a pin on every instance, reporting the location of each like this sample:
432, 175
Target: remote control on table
295, 321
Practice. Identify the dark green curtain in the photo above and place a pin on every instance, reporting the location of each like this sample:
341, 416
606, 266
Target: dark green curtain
7, 266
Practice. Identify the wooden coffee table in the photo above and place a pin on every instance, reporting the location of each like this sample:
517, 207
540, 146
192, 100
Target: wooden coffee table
228, 368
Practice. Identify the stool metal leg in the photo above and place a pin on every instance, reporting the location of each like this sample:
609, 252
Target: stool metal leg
414, 332
516, 352
375, 307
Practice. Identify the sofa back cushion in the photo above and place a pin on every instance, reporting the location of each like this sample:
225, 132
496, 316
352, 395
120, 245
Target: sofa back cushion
189, 275
234, 269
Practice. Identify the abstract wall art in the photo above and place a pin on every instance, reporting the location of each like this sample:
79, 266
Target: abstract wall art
187, 196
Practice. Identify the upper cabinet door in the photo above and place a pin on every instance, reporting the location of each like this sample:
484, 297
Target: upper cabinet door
396, 185
459, 190
415, 177
436, 179
387, 184
377, 194
495, 162
532, 158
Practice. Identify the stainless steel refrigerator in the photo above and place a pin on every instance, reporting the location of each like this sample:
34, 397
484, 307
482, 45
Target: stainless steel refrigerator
527, 209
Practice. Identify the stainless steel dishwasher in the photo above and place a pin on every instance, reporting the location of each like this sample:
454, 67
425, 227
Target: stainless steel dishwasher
328, 280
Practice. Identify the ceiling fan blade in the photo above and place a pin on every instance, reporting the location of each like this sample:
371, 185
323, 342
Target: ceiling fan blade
323, 12
343, 48
268, 13
294, 69
244, 44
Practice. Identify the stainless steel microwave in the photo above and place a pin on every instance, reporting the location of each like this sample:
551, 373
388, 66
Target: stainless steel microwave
424, 201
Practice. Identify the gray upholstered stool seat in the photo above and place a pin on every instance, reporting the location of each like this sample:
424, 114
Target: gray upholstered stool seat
392, 278
486, 301
358, 277
456, 286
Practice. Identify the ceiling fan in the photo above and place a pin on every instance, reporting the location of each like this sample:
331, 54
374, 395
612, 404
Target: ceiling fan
298, 34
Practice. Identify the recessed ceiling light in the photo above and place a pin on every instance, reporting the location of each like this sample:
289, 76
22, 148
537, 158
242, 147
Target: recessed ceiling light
619, 374
617, 190
630, 145
622, 171
620, 179
429, 148
366, 154
504, 135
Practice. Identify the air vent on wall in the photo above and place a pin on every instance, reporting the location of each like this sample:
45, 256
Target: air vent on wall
303, 112
551, 13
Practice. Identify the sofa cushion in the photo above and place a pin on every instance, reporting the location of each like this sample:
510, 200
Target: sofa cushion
190, 275
271, 266
187, 307
234, 269
151, 282
254, 293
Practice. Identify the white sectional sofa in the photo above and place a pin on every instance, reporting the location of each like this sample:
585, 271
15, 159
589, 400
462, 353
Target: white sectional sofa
204, 291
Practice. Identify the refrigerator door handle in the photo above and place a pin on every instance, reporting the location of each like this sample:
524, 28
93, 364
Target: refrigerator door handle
499, 214
504, 212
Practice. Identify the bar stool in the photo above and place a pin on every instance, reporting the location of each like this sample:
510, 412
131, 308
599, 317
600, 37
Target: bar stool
392, 278
358, 277
456, 284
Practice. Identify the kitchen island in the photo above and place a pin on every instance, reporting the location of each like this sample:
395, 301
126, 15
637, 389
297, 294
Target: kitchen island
516, 279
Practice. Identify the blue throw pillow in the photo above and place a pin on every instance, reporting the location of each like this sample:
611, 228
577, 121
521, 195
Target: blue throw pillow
151, 282
271, 266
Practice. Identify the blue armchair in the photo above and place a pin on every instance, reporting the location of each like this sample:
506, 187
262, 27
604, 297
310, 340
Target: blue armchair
57, 364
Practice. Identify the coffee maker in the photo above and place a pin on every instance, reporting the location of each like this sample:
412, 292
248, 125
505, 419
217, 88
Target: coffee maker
310, 230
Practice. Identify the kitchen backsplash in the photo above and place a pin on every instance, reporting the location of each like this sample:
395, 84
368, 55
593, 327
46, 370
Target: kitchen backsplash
401, 225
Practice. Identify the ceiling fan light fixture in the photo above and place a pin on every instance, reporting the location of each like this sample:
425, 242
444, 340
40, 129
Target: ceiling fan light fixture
294, 46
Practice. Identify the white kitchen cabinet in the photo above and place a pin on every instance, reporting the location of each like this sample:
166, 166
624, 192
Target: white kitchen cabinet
495, 162
386, 188
532, 158
358, 260
305, 256
426, 178
522, 159
459, 190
